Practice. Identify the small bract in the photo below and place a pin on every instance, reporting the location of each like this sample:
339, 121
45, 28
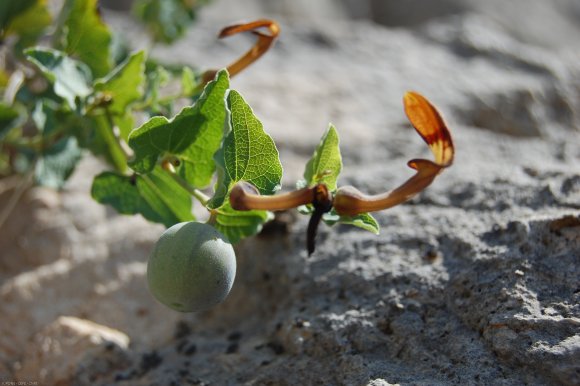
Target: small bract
192, 267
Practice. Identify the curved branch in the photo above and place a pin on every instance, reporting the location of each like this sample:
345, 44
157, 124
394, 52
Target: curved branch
432, 128
245, 196
263, 44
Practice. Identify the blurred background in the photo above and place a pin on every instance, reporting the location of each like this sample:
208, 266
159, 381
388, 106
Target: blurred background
553, 24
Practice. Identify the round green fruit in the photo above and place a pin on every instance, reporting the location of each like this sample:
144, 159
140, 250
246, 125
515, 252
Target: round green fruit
192, 267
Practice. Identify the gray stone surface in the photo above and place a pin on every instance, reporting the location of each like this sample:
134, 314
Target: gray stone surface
475, 281
72, 346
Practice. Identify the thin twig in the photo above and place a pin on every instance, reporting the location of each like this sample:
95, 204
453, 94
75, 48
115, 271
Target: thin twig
198, 194
15, 197
117, 134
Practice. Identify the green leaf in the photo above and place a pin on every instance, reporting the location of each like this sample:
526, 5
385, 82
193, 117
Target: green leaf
363, 220
122, 193
157, 77
125, 123
169, 199
57, 163
188, 81
104, 143
166, 20
10, 117
87, 37
223, 184
124, 84
10, 9
236, 225
324, 166
198, 165
70, 78
45, 117
193, 135
326, 162
156, 196
30, 23
249, 154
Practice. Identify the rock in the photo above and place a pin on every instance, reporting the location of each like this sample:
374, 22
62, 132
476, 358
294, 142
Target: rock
381, 382
535, 323
92, 263
417, 12
72, 350
34, 237
551, 24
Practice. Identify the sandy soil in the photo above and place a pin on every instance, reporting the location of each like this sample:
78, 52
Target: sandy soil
475, 281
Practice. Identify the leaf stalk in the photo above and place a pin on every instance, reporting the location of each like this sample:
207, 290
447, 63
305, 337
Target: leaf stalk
196, 193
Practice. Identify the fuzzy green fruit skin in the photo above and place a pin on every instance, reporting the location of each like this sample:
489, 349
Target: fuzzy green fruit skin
192, 267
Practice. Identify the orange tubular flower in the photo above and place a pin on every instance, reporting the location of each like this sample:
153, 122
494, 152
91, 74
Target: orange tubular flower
430, 125
263, 44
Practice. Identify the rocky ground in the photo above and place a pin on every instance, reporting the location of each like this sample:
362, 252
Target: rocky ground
475, 281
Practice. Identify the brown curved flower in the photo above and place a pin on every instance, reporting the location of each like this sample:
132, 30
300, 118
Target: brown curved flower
263, 44
431, 127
